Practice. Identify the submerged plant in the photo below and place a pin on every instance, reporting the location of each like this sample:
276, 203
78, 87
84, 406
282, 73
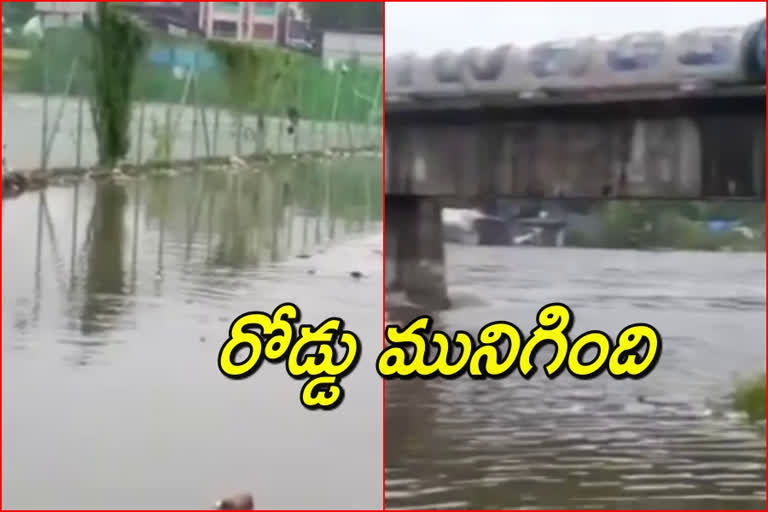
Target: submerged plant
258, 79
117, 46
255, 72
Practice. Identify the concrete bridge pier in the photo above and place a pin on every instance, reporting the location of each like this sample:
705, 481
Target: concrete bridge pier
415, 252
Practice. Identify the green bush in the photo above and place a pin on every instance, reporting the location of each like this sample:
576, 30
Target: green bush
671, 224
749, 397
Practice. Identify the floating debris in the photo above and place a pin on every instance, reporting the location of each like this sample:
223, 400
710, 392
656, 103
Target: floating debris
237, 502
236, 161
169, 173
16, 183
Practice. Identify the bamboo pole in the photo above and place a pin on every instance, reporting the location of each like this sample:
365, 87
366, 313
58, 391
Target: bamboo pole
135, 244
79, 134
59, 114
140, 134
216, 117
195, 100
75, 215
44, 53
203, 122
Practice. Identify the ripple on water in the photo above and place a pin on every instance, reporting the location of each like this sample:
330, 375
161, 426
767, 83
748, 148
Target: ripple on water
667, 441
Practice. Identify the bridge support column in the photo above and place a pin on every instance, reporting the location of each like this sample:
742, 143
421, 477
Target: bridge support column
415, 252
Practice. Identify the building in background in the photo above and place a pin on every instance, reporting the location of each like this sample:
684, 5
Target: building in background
177, 18
62, 13
63, 8
294, 29
266, 23
256, 22
346, 47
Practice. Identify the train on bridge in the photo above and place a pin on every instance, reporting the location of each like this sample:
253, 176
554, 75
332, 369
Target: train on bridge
646, 115
644, 61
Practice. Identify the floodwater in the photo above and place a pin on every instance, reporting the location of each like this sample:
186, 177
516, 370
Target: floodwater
112, 397
669, 441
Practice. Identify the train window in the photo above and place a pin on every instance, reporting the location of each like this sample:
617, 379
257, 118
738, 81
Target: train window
446, 67
706, 48
555, 59
637, 52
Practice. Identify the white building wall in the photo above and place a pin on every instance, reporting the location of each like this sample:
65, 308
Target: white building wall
341, 46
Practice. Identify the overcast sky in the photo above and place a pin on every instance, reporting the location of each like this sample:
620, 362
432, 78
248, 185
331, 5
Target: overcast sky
427, 27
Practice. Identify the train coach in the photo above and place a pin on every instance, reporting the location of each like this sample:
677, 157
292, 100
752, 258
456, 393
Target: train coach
701, 57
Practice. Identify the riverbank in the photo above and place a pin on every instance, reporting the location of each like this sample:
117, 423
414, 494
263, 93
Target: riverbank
670, 225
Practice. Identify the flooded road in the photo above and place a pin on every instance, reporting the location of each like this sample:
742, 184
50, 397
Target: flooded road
111, 393
669, 441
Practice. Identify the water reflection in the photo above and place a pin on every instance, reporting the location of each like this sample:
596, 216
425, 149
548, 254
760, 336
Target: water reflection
104, 283
669, 441
120, 293
233, 221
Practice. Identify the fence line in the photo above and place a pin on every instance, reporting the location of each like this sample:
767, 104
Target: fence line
182, 109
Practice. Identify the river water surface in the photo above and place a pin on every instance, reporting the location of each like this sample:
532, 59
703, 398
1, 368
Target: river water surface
111, 393
668, 441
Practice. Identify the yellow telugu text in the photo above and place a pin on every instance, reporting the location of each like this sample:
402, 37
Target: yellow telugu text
312, 353
308, 354
408, 355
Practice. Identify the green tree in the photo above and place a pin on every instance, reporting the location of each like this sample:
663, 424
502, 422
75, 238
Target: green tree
353, 16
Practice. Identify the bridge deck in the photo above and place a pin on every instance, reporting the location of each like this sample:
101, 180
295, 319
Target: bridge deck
545, 100
682, 145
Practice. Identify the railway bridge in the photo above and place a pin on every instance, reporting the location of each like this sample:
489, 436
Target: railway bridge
643, 116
